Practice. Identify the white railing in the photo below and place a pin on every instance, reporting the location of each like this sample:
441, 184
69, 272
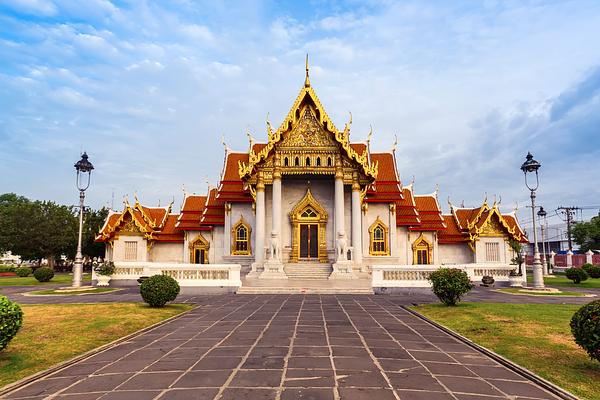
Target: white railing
416, 275
186, 274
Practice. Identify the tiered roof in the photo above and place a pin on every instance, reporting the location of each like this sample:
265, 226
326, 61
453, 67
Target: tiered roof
191, 212
154, 223
214, 211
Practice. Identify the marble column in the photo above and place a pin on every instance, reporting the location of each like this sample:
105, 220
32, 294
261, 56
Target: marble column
356, 224
277, 203
259, 242
227, 230
339, 203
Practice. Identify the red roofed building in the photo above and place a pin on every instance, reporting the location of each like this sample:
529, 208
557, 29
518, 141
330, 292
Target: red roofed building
309, 195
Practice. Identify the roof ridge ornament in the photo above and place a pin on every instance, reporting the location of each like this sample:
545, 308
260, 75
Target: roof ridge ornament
395, 143
307, 80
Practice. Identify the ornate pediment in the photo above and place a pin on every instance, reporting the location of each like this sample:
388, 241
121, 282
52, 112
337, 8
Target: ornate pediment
308, 133
492, 227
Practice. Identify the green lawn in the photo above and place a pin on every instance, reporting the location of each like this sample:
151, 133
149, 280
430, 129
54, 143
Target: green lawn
60, 277
535, 336
561, 281
521, 292
54, 333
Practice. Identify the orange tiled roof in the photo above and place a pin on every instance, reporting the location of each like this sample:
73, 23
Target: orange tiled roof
452, 234
168, 232
214, 212
231, 187
430, 214
386, 189
191, 212
406, 209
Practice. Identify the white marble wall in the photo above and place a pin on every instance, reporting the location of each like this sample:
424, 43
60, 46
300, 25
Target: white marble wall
166, 252
455, 254
480, 256
119, 248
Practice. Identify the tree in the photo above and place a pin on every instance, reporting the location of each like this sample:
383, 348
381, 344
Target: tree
587, 234
37, 229
517, 247
93, 220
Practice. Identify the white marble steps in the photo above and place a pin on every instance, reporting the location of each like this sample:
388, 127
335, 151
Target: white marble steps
302, 290
308, 271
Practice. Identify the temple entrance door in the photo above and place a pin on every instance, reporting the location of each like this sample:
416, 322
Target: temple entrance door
309, 241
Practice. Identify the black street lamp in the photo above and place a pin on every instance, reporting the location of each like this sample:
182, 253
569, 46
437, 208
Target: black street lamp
84, 172
531, 166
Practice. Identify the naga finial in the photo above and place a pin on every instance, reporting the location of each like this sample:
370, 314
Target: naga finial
395, 143
306, 80
224, 143
250, 138
369, 135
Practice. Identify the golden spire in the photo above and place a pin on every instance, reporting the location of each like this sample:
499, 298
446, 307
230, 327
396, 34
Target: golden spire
306, 81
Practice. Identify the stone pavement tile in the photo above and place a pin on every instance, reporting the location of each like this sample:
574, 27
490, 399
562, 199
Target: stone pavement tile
496, 372
308, 394
257, 378
97, 383
79, 369
189, 394
456, 348
309, 378
43, 387
124, 366
363, 379
187, 352
430, 356
200, 343
474, 359
309, 362
248, 394
131, 395
217, 363
354, 363
228, 351
85, 396
462, 396
437, 368
402, 365
381, 343
310, 351
304, 341
263, 363
414, 381
150, 380
269, 352
468, 385
419, 345
238, 342
338, 351
202, 379
396, 353
526, 389
168, 364
348, 342
366, 394
424, 395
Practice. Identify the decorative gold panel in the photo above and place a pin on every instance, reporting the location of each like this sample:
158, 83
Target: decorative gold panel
319, 217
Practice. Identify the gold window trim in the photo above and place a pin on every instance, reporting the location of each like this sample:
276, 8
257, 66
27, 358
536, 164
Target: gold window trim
296, 218
379, 223
234, 250
200, 243
422, 244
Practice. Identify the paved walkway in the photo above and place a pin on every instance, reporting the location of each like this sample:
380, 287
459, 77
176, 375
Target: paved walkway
288, 347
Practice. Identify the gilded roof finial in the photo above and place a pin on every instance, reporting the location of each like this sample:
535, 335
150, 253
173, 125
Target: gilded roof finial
306, 81
369, 135
437, 190
250, 138
395, 143
224, 144
183, 189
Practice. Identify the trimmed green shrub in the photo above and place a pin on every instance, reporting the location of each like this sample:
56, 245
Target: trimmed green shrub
577, 275
585, 326
7, 268
586, 267
11, 319
23, 271
594, 271
43, 274
449, 285
158, 290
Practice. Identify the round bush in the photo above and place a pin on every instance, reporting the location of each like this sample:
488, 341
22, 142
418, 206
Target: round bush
577, 275
23, 271
450, 284
586, 267
43, 274
158, 290
11, 319
585, 326
594, 271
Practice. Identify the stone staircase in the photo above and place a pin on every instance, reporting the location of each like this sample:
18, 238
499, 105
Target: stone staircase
308, 271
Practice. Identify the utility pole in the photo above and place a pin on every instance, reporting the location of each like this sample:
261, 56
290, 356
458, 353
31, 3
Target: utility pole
568, 212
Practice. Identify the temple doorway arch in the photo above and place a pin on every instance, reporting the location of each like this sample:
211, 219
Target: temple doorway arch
309, 220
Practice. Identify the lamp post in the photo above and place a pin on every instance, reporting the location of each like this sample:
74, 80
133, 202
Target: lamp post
531, 166
542, 214
83, 167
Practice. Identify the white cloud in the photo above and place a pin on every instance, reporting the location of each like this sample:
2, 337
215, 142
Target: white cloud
34, 7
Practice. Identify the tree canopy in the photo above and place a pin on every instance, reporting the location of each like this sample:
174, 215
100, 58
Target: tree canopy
44, 229
587, 234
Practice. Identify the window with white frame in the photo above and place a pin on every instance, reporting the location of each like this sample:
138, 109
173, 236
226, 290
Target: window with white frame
130, 251
492, 252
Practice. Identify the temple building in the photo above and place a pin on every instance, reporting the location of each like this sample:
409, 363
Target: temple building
309, 202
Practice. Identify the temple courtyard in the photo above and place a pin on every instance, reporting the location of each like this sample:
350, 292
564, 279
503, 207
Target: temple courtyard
291, 346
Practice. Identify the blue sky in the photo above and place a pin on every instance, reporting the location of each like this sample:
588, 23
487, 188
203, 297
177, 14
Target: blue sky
149, 88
